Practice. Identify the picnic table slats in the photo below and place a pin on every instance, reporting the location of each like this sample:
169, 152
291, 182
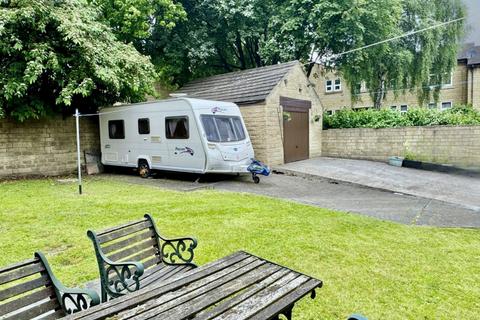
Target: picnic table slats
133, 299
279, 305
26, 300
224, 306
261, 299
185, 311
55, 315
213, 282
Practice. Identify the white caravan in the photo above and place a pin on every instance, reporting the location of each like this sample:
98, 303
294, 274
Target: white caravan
181, 134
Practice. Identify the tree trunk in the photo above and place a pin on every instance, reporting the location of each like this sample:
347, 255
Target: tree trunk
241, 56
379, 94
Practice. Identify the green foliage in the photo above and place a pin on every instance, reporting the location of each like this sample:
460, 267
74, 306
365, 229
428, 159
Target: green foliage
134, 20
56, 56
386, 118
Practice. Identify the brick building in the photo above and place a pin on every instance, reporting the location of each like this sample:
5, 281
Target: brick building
462, 87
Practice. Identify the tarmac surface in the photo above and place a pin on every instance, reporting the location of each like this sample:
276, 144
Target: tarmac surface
325, 193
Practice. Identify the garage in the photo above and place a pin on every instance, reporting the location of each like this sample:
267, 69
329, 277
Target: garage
266, 95
295, 129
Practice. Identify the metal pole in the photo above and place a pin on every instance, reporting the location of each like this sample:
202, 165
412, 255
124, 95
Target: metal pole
77, 117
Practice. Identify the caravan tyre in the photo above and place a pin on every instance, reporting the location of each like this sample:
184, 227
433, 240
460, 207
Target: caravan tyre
143, 169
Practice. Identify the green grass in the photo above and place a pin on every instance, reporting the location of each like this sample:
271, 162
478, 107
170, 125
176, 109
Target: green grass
381, 269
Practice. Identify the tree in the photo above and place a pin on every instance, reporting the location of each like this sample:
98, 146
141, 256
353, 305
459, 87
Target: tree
222, 36
56, 56
332, 27
134, 20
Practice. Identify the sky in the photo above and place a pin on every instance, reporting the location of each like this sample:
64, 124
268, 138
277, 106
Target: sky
473, 13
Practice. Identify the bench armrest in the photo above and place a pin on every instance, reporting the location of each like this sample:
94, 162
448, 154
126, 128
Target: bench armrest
72, 300
175, 251
116, 277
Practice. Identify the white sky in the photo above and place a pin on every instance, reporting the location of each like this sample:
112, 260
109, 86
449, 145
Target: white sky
473, 13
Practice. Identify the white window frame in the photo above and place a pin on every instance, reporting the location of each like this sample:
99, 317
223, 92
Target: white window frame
451, 105
403, 105
339, 85
328, 87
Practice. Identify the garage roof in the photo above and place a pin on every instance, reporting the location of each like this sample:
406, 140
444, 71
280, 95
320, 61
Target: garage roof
242, 87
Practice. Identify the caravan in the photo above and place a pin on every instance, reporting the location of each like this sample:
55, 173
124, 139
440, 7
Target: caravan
181, 134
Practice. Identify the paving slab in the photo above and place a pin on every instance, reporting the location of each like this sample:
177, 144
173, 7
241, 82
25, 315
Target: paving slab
457, 189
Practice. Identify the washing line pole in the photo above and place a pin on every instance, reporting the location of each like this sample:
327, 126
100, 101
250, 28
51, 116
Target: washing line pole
77, 117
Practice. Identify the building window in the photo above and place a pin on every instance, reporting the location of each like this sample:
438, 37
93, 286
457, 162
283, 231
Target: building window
338, 85
333, 86
394, 108
116, 129
144, 126
446, 80
403, 108
176, 127
329, 86
329, 112
446, 105
432, 105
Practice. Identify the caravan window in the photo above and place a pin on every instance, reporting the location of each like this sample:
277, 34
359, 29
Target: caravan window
144, 126
223, 128
116, 129
176, 127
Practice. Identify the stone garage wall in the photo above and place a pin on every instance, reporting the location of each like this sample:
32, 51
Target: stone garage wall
455, 145
44, 147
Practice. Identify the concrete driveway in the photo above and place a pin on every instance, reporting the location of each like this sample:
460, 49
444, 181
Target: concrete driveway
326, 193
452, 188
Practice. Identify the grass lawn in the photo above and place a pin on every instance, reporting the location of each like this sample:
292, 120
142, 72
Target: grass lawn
381, 269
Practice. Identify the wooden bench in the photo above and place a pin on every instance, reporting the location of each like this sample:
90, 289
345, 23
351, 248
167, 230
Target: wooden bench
135, 255
29, 290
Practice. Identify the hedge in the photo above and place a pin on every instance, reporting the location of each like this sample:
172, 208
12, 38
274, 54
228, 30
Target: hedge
386, 118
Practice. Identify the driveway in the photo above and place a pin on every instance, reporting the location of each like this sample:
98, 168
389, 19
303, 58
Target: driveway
452, 188
325, 193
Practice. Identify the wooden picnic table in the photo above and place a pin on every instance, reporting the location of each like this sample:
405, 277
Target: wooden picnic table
238, 286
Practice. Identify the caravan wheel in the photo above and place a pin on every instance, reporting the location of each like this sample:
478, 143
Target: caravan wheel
143, 169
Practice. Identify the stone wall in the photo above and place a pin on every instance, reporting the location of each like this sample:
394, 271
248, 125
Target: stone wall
455, 145
44, 147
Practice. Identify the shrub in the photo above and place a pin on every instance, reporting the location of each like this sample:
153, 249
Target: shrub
386, 118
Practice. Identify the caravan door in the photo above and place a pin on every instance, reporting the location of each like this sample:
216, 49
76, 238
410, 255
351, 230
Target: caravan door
185, 148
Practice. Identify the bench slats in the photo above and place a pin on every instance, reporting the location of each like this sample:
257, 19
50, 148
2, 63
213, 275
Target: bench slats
118, 233
146, 254
23, 287
122, 226
21, 272
56, 315
150, 263
122, 244
132, 250
36, 310
18, 265
26, 300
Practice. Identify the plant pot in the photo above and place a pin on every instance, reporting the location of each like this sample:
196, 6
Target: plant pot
395, 161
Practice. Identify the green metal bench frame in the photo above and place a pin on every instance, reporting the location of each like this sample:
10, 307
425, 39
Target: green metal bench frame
122, 271
49, 297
